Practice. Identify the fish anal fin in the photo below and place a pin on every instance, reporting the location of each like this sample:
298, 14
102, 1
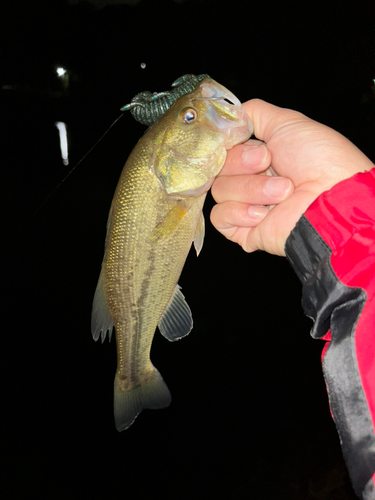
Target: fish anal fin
101, 321
128, 404
199, 234
177, 320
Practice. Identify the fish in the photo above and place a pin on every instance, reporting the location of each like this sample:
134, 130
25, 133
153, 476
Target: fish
155, 216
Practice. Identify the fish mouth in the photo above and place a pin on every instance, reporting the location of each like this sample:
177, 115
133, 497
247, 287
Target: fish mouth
213, 91
225, 112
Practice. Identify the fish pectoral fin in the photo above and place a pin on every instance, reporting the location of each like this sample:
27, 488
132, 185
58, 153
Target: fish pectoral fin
101, 320
199, 234
171, 221
177, 320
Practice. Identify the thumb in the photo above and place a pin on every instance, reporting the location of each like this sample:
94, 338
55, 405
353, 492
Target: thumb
267, 118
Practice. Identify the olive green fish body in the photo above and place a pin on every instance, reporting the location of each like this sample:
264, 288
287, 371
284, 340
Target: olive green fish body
148, 269
155, 216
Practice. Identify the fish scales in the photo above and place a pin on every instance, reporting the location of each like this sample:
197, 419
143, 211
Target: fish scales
150, 276
156, 214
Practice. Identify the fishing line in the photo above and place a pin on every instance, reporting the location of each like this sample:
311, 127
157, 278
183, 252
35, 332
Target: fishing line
142, 100
57, 187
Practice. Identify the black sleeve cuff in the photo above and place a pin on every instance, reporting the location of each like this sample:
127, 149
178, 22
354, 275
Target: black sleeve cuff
322, 291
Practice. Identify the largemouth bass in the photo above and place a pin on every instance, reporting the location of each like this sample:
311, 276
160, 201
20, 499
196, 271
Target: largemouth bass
155, 216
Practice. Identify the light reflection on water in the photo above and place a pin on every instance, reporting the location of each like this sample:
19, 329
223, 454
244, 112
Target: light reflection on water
63, 142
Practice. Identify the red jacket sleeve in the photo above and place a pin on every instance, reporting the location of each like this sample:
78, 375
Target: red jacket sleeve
332, 250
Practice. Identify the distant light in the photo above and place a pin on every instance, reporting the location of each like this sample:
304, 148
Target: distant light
143, 65
63, 142
60, 71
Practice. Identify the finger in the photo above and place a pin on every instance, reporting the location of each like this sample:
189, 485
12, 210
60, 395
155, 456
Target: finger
251, 157
232, 214
251, 189
267, 118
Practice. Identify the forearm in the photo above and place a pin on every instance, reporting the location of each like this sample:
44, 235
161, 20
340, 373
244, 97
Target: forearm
332, 249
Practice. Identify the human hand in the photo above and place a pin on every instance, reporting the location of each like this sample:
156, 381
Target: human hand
304, 158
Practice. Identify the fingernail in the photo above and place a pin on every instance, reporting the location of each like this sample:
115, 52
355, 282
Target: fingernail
257, 211
254, 143
254, 155
277, 186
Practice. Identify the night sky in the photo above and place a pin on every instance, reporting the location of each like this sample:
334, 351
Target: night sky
249, 417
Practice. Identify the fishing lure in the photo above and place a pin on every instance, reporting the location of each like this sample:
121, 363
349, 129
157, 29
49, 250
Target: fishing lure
147, 107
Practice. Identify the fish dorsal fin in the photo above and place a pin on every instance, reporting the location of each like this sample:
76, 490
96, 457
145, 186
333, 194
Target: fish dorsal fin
199, 234
177, 320
101, 320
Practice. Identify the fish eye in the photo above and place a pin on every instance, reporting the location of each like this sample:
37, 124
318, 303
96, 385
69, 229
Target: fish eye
188, 115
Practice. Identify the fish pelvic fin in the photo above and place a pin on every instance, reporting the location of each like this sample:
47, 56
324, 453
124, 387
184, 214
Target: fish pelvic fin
128, 403
101, 320
199, 234
177, 320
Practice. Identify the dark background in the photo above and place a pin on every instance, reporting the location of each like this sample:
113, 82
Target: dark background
249, 417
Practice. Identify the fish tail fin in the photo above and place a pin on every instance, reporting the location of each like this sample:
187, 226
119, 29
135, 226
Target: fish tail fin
129, 403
